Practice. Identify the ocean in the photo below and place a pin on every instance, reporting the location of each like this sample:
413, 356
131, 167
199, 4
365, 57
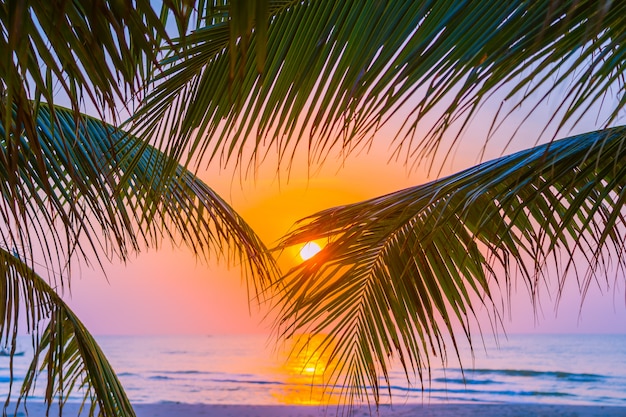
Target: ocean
549, 369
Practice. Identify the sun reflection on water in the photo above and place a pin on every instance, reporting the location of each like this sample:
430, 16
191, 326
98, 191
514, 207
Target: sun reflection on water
308, 372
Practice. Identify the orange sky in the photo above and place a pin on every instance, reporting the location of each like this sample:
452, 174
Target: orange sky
169, 292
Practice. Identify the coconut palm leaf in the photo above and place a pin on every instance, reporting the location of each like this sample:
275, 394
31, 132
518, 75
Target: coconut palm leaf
167, 200
334, 73
129, 196
94, 54
399, 271
70, 357
93, 51
68, 51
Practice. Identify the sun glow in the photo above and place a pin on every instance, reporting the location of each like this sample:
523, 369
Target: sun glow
309, 250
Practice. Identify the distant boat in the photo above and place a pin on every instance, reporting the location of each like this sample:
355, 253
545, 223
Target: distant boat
6, 351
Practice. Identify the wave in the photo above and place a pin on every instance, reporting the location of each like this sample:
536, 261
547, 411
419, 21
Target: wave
241, 379
186, 372
506, 393
248, 381
584, 376
527, 373
176, 352
466, 381
6, 379
159, 377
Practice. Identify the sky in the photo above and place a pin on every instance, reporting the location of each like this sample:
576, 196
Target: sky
168, 291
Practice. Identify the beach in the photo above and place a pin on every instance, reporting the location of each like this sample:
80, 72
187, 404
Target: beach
438, 410
431, 410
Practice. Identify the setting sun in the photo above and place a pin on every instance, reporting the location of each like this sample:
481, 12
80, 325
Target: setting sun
309, 250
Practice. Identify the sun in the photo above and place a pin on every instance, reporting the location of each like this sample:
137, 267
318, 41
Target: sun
309, 250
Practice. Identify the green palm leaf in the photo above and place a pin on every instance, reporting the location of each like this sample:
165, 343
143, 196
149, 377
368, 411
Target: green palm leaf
93, 54
66, 351
168, 200
400, 270
129, 196
335, 73
100, 52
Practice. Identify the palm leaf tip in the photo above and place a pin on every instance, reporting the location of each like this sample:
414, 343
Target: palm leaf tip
65, 354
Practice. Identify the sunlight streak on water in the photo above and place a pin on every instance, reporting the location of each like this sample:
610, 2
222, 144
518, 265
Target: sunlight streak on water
307, 372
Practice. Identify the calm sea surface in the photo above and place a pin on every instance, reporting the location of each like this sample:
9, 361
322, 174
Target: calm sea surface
569, 369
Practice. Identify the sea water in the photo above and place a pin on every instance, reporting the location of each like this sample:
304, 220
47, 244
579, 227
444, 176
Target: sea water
551, 369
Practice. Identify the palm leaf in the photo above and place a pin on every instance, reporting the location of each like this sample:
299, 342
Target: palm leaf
128, 196
400, 270
167, 200
335, 73
67, 352
94, 54
74, 50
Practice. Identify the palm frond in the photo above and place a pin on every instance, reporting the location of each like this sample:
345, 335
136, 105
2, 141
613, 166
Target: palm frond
83, 54
129, 195
93, 51
72, 360
400, 270
168, 200
109, 193
335, 73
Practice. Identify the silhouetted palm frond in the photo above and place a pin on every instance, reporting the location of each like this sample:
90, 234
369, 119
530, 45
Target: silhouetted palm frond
401, 270
334, 73
130, 195
65, 353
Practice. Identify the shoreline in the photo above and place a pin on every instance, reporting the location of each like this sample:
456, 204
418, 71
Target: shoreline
169, 409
